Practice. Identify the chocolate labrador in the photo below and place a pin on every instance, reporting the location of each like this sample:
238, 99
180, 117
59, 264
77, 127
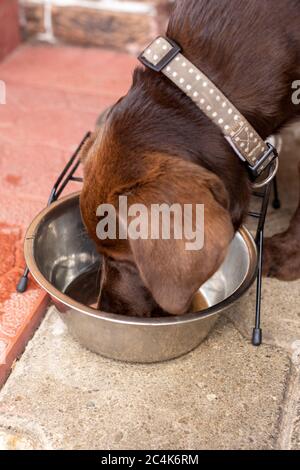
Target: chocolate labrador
157, 147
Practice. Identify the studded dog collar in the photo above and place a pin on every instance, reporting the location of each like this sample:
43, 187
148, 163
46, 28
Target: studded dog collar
164, 55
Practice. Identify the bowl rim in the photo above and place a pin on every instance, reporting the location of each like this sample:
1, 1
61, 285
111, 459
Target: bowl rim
62, 298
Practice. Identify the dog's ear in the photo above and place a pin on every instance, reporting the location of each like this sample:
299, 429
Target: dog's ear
172, 269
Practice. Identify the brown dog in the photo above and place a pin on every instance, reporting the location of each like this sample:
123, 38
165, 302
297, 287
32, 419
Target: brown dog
158, 147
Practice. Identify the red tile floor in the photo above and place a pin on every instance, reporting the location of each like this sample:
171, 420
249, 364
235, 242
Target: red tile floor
53, 96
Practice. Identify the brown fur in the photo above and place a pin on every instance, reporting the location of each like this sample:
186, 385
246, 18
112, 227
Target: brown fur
158, 147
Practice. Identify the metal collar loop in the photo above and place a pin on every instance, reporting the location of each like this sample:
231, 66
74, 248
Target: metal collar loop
272, 173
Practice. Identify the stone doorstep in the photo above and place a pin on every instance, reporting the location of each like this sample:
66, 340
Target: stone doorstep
198, 401
11, 347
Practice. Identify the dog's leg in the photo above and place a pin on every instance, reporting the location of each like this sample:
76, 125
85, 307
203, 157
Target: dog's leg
282, 252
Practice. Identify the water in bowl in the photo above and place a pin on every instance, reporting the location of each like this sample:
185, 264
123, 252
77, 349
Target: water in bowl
85, 290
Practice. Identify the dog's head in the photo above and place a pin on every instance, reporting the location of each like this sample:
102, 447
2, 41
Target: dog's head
151, 275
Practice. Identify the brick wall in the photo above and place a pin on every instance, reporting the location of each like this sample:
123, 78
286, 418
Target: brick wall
121, 24
9, 30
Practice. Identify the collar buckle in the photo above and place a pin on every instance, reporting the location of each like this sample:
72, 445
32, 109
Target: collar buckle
164, 62
265, 161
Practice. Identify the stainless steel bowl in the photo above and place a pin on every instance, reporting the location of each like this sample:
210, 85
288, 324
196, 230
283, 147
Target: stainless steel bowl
58, 250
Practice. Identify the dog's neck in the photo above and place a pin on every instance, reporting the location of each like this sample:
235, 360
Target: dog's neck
155, 116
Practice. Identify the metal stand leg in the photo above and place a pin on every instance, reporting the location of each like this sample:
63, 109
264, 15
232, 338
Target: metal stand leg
276, 200
23, 282
257, 331
259, 240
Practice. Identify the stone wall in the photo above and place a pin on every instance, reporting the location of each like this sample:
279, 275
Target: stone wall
121, 24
